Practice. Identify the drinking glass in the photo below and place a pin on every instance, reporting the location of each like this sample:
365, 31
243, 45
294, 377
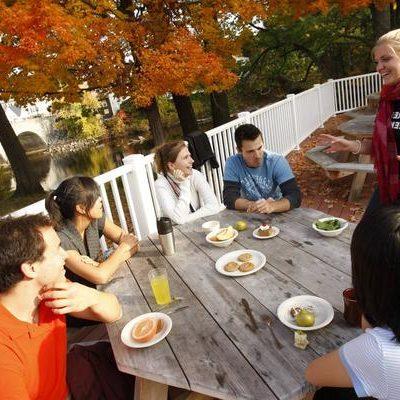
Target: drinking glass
160, 286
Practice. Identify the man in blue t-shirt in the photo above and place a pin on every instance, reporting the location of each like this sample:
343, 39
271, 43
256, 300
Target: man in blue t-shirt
256, 180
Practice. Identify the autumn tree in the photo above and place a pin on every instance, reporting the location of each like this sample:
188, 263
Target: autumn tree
49, 48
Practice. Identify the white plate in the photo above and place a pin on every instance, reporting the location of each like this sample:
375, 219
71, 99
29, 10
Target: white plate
275, 232
258, 260
343, 225
322, 309
126, 334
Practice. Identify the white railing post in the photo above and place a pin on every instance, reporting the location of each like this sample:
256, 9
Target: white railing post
141, 195
292, 99
333, 91
321, 121
245, 115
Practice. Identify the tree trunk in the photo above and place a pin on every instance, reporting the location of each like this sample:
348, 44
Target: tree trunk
219, 108
380, 20
25, 176
186, 114
153, 116
395, 15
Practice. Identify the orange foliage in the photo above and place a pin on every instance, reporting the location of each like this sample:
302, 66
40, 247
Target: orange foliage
49, 48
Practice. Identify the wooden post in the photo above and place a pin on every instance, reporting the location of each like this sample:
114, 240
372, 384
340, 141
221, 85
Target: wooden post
150, 390
359, 179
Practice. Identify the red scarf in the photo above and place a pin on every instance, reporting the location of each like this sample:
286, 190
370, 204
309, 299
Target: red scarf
384, 149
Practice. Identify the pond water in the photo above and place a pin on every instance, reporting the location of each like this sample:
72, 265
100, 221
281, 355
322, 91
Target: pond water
90, 161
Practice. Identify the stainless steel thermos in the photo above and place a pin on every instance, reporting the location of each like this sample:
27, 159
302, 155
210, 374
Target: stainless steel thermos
166, 235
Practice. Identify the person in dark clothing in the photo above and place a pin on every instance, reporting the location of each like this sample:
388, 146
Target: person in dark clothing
256, 180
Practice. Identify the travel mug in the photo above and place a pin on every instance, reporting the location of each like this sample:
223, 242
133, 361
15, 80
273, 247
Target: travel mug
166, 236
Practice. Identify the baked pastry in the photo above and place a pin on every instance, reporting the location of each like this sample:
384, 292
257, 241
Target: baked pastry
231, 266
300, 340
265, 230
246, 267
244, 257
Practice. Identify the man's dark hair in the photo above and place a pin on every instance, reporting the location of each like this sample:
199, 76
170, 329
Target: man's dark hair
20, 241
246, 132
375, 258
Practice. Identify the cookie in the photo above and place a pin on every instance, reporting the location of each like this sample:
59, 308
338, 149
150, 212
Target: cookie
246, 267
244, 257
231, 266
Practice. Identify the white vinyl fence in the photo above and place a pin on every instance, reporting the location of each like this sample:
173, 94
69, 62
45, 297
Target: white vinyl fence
128, 191
128, 197
352, 92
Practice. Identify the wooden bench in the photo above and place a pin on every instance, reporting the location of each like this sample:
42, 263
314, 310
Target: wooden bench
335, 169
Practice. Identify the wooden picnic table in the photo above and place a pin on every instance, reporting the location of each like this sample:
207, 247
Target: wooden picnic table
210, 349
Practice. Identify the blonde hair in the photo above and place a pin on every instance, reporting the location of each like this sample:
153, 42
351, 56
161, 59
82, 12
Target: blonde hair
165, 153
392, 39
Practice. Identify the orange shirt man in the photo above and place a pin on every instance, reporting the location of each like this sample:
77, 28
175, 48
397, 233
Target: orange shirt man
34, 296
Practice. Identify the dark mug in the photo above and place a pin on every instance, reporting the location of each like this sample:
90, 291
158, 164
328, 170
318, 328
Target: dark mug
352, 313
164, 226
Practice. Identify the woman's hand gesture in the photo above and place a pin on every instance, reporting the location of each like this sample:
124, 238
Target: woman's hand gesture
178, 175
338, 144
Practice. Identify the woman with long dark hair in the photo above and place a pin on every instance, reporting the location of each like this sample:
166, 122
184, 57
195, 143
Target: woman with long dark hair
76, 209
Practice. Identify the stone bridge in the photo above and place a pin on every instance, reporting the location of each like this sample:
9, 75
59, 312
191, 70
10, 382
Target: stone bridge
33, 126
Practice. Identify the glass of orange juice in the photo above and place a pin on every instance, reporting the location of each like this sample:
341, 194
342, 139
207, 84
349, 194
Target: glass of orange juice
160, 286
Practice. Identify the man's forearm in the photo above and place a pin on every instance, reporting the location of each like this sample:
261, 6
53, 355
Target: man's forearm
281, 205
104, 307
242, 204
107, 307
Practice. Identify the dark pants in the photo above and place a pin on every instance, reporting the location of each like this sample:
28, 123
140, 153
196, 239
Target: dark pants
328, 393
93, 375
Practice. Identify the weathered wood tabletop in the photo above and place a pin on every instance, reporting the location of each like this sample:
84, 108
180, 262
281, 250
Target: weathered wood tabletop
210, 349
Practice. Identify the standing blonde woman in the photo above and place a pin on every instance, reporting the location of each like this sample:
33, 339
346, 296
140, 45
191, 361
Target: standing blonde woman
182, 192
385, 144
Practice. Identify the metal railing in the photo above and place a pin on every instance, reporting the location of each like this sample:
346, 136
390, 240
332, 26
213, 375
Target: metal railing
128, 191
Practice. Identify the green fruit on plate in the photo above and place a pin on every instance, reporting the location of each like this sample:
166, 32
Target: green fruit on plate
305, 318
241, 225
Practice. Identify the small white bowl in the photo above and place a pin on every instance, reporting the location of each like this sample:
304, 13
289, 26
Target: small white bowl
221, 243
210, 226
343, 225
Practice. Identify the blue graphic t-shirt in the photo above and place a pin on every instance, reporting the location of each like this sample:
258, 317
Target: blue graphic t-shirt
262, 182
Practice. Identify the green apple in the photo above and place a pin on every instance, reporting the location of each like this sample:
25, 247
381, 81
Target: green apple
305, 318
241, 225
